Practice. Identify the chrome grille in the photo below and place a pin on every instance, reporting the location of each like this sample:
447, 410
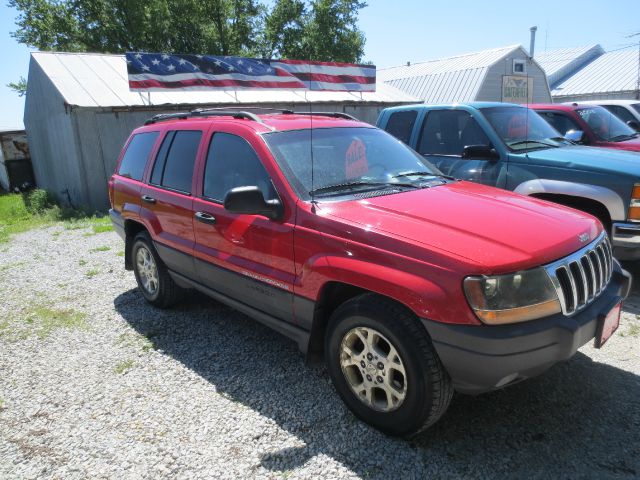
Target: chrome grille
582, 276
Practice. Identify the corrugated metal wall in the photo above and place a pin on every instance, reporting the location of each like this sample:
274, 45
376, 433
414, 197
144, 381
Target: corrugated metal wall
491, 90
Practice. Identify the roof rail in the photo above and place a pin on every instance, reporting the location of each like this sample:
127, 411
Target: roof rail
346, 116
239, 114
163, 117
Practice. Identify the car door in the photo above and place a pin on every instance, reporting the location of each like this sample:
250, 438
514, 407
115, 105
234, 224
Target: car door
167, 202
246, 257
443, 136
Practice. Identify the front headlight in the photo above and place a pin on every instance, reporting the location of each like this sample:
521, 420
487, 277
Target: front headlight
512, 298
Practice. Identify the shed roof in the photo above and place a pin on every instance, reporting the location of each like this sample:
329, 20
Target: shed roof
445, 80
611, 72
100, 80
560, 63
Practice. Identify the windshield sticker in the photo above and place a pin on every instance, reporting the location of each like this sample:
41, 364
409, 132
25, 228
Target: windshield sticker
356, 159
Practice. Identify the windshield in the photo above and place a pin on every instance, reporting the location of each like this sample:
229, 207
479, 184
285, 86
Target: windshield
636, 107
345, 157
605, 125
522, 129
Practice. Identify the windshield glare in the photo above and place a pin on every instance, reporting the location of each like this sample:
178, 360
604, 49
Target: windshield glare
343, 155
605, 125
521, 128
636, 107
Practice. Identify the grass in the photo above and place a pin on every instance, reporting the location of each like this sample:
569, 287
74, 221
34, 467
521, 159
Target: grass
92, 273
123, 367
20, 212
634, 330
135, 340
120, 253
9, 266
104, 248
82, 262
44, 320
2, 407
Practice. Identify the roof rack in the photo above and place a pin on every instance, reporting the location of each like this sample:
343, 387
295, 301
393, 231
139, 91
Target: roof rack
239, 114
199, 112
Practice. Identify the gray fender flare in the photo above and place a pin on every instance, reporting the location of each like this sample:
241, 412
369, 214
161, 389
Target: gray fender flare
610, 199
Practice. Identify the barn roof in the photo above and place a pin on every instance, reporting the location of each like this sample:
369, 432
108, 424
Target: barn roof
100, 80
611, 72
560, 63
448, 79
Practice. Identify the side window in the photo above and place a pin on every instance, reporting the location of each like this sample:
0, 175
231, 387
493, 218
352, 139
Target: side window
174, 164
232, 163
560, 122
621, 112
400, 124
135, 158
447, 132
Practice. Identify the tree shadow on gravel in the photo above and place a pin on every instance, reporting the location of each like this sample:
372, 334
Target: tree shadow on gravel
580, 419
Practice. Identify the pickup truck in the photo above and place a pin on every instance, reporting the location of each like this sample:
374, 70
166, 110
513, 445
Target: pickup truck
589, 125
626, 110
510, 146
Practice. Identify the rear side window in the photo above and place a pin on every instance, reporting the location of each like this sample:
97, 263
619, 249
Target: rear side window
400, 124
135, 158
232, 163
177, 156
620, 112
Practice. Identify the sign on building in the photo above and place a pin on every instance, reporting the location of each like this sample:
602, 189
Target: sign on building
517, 89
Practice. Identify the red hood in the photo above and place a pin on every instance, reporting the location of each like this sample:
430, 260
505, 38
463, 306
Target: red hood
500, 230
632, 145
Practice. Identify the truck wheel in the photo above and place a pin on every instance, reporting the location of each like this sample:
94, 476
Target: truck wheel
154, 281
383, 365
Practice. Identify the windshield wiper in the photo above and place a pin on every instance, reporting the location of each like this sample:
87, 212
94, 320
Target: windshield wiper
622, 138
338, 187
424, 174
523, 142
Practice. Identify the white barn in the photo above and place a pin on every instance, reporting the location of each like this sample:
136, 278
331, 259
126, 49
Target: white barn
490, 75
79, 111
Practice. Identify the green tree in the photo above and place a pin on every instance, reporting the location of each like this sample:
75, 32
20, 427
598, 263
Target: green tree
20, 87
314, 29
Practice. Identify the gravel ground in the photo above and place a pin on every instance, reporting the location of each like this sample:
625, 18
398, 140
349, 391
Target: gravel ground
94, 383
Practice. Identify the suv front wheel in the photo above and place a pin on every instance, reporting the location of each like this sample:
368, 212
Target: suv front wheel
153, 278
384, 366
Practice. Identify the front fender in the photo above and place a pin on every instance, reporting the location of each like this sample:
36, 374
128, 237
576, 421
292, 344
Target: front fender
610, 199
440, 302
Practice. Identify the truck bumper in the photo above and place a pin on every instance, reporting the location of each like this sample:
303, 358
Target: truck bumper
118, 222
483, 358
625, 239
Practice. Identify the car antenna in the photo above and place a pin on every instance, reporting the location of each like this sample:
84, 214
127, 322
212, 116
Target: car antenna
312, 193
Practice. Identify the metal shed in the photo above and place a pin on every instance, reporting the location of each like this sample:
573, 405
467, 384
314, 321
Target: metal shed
489, 75
79, 111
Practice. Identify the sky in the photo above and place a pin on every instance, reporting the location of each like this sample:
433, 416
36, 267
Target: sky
398, 31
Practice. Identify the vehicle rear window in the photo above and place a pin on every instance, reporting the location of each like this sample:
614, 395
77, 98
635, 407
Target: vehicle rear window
135, 158
175, 161
232, 163
400, 125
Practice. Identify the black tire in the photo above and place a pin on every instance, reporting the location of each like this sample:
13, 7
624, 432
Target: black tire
428, 386
167, 292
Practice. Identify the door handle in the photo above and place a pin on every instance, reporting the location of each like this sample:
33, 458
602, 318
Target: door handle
205, 218
148, 199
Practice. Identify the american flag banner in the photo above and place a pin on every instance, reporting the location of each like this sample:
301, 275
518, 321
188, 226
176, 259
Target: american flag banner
163, 71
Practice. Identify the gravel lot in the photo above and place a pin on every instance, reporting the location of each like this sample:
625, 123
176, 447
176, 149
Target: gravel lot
94, 383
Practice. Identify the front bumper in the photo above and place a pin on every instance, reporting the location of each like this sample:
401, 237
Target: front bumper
625, 238
483, 358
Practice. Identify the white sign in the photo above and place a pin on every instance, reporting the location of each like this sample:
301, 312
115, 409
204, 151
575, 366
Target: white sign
517, 89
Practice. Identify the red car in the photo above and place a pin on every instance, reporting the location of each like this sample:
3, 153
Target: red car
589, 125
334, 233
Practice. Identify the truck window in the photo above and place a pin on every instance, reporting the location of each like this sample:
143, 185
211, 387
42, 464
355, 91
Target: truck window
135, 158
621, 112
400, 124
447, 132
560, 121
232, 163
174, 164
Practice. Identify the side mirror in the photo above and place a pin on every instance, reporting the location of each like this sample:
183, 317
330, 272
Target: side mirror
250, 201
634, 124
479, 152
576, 136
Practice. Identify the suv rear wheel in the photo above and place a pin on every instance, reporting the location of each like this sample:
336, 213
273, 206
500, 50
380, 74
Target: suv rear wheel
384, 366
153, 278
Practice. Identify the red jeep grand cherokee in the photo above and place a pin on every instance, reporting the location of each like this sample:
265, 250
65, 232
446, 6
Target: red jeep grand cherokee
589, 125
411, 283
